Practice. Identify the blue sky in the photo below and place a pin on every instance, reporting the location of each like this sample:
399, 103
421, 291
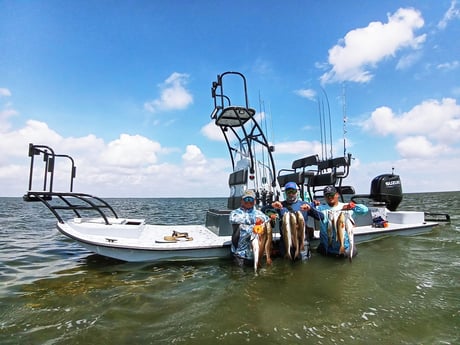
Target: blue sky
124, 87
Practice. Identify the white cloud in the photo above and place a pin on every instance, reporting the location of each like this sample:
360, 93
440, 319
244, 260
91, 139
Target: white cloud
408, 60
427, 129
6, 111
420, 147
212, 132
306, 93
299, 147
416, 174
436, 119
131, 151
452, 13
5, 114
15, 143
4, 92
448, 66
127, 166
363, 48
193, 156
173, 96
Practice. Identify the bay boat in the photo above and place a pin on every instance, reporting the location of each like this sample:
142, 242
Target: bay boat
95, 225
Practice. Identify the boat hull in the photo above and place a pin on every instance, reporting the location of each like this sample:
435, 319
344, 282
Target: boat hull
134, 241
369, 233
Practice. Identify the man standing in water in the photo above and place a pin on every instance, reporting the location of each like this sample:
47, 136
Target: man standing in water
243, 220
329, 242
292, 203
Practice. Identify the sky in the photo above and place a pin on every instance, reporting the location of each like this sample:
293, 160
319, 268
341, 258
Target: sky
124, 88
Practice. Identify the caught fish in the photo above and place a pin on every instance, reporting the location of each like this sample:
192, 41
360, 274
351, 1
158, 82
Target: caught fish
349, 226
255, 249
340, 228
300, 229
261, 242
330, 226
287, 235
294, 235
268, 242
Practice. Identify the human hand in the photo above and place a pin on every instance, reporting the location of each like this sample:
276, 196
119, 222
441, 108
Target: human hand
351, 205
305, 207
259, 221
317, 202
277, 205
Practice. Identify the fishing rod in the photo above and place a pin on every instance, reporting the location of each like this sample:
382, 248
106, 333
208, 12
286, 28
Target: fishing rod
330, 123
344, 112
321, 128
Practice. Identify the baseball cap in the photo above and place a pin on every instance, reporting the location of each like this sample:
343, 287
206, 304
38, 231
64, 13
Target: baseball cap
329, 190
249, 194
290, 185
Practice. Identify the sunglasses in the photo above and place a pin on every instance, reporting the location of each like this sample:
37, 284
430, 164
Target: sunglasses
248, 199
330, 195
291, 191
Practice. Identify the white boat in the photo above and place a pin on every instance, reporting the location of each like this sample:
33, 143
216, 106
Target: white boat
96, 226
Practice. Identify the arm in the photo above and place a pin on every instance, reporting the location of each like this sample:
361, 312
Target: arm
357, 208
314, 212
262, 215
360, 209
238, 216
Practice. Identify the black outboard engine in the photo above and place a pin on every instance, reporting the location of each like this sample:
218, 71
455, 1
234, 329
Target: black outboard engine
387, 188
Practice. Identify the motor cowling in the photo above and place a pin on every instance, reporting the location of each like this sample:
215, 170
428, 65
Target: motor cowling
387, 188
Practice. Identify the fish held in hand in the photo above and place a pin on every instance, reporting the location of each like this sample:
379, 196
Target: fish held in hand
261, 242
340, 228
349, 227
286, 230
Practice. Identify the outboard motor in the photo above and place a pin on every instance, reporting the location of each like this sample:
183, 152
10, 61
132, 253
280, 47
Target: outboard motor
387, 188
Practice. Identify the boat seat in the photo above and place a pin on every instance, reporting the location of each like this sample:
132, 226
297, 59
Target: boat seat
305, 162
298, 178
238, 177
236, 181
233, 202
322, 180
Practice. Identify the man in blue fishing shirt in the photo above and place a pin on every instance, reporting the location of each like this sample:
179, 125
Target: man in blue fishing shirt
292, 203
243, 220
332, 241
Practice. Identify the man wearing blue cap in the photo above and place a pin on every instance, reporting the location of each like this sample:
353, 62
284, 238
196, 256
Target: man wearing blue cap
293, 204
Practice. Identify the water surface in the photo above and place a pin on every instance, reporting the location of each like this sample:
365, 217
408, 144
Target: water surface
399, 290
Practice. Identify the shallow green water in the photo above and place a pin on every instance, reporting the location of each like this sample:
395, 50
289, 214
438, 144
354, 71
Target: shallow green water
399, 290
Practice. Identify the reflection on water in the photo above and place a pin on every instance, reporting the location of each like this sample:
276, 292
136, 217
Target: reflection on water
397, 291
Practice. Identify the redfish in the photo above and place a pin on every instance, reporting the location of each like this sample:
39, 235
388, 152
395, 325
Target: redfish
287, 235
340, 229
349, 226
300, 234
261, 241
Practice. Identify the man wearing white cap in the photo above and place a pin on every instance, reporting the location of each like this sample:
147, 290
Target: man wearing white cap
243, 220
